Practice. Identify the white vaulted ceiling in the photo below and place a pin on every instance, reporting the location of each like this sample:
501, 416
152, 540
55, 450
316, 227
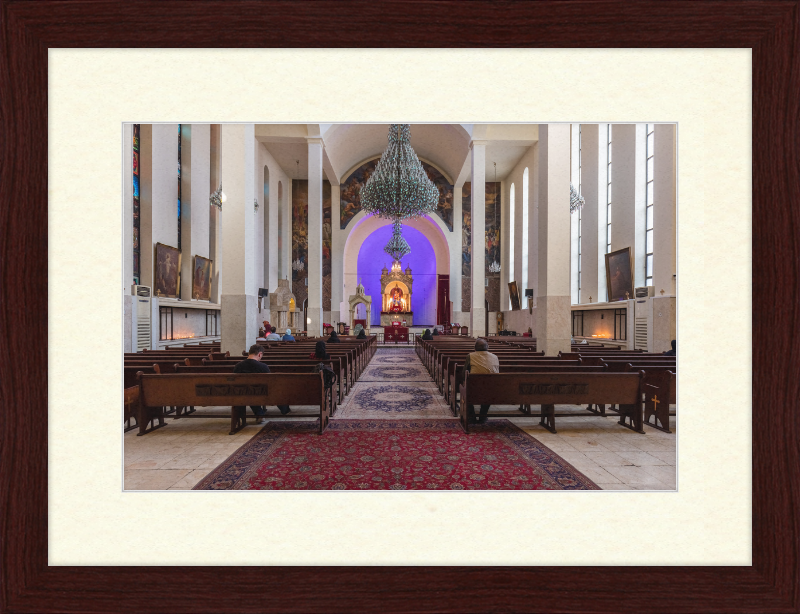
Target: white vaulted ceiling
446, 146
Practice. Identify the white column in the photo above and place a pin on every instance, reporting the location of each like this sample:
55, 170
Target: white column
285, 231
455, 257
505, 244
628, 207
477, 326
272, 274
589, 216
553, 315
195, 179
602, 212
533, 229
664, 209
215, 215
239, 300
337, 268
314, 263
573, 228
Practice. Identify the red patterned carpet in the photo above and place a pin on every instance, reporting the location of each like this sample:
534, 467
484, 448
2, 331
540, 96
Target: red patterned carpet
394, 455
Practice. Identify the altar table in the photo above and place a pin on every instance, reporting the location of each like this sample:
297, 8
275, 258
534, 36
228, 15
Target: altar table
395, 333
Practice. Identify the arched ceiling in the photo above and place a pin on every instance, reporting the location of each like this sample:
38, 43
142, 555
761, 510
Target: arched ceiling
446, 146
347, 145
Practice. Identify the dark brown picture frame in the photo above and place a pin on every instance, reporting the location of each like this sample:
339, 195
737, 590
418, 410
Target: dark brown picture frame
621, 257
771, 584
203, 292
166, 271
513, 294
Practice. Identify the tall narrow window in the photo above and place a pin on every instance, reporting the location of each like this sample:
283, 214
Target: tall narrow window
136, 249
511, 238
648, 273
608, 194
524, 280
179, 187
580, 191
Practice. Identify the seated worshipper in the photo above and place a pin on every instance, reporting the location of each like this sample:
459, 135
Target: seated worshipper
426, 336
481, 361
673, 351
261, 332
253, 364
334, 338
435, 332
362, 334
288, 335
273, 336
358, 329
320, 352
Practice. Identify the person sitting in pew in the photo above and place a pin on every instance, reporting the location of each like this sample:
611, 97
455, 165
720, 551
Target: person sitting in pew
481, 361
273, 336
426, 336
253, 364
435, 332
359, 331
320, 352
288, 335
673, 351
334, 338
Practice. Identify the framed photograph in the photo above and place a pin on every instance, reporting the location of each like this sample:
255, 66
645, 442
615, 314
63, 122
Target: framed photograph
167, 271
619, 280
31, 581
201, 278
513, 292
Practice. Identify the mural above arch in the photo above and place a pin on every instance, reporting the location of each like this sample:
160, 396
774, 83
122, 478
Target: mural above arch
350, 204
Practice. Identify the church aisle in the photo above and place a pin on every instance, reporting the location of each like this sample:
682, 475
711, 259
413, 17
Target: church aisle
394, 386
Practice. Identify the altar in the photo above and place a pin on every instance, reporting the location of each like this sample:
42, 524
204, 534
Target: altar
398, 334
396, 288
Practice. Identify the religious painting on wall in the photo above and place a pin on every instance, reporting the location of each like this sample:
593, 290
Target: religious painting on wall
619, 281
201, 279
492, 200
327, 236
136, 207
299, 238
445, 208
513, 293
167, 269
349, 202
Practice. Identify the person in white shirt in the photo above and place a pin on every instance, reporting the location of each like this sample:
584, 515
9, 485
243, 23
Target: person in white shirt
273, 336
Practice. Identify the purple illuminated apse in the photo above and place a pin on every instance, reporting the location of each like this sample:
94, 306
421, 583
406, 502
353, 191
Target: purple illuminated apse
422, 260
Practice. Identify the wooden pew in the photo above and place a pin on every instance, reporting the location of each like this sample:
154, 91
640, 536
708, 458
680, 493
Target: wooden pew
551, 389
240, 389
335, 399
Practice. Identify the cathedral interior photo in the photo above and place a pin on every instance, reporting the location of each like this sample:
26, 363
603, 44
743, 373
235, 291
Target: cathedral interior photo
400, 306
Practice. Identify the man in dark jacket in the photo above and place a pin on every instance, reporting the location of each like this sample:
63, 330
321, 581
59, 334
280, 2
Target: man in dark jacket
253, 364
673, 351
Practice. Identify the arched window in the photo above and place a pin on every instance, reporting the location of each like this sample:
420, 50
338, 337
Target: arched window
511, 235
524, 280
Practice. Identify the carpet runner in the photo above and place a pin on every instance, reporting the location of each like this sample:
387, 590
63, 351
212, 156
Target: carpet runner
394, 455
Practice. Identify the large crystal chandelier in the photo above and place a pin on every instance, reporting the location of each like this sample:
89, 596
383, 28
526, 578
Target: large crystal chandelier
399, 188
576, 201
397, 246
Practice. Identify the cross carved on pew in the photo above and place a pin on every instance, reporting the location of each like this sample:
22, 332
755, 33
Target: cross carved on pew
655, 401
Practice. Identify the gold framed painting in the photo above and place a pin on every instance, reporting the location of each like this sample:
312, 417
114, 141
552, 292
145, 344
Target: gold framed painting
619, 278
513, 292
201, 278
167, 271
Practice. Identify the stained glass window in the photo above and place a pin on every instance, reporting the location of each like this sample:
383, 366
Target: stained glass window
136, 250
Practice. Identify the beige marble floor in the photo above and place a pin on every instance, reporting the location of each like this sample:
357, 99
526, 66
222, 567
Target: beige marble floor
179, 455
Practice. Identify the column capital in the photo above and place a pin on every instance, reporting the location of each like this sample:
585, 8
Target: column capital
314, 140
478, 142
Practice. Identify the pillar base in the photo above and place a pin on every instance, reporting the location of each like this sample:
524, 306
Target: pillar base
477, 322
239, 322
314, 326
553, 324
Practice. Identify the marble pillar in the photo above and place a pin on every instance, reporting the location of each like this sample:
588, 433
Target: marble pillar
195, 179
456, 314
314, 263
553, 314
477, 327
664, 213
239, 292
590, 190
